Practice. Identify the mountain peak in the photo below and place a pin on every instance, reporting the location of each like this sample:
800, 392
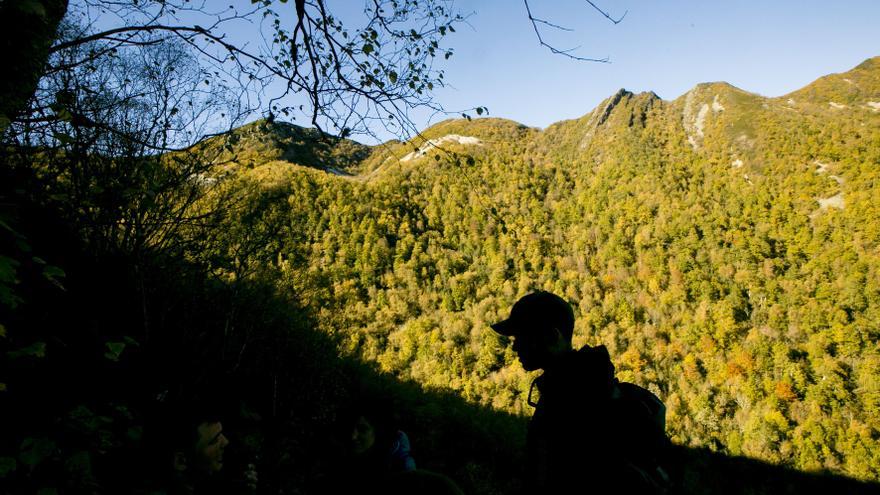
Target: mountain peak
638, 105
872, 63
265, 140
856, 88
611, 103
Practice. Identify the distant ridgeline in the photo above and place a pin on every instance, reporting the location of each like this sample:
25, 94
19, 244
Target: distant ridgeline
723, 245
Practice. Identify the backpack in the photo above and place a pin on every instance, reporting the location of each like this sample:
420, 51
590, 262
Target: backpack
643, 416
627, 450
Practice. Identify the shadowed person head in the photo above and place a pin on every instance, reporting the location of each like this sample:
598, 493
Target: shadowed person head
366, 425
189, 440
541, 324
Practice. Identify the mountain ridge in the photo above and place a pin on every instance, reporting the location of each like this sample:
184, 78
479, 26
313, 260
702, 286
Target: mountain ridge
706, 104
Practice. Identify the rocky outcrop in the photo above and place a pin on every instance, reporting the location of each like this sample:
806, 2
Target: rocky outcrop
434, 143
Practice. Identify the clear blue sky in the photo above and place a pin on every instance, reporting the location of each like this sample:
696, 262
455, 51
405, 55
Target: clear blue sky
666, 46
770, 48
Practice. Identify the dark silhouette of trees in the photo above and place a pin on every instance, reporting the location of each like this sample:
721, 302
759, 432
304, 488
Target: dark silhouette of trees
308, 63
28, 30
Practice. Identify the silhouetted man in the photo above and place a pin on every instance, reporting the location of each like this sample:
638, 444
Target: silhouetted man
589, 433
202, 449
187, 444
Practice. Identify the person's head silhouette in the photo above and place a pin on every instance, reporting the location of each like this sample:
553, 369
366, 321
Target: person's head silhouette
541, 324
184, 444
368, 426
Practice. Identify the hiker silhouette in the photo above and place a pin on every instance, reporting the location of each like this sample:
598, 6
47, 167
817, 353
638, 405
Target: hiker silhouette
185, 444
374, 442
377, 456
589, 432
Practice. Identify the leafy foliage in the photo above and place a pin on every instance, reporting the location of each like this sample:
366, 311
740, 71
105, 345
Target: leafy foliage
689, 235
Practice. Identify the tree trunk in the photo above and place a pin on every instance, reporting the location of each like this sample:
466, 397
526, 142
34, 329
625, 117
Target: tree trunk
27, 30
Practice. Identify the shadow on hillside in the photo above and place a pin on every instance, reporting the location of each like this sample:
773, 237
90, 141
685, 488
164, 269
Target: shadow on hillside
480, 448
296, 383
710, 472
289, 377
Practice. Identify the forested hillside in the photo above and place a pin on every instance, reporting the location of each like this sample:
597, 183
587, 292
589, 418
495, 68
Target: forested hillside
723, 245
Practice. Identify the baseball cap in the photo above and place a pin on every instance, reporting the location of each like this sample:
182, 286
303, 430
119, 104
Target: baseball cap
540, 309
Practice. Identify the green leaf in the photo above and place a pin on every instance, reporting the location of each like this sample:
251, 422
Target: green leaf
52, 273
7, 269
114, 350
21, 244
33, 451
83, 419
79, 465
32, 7
135, 433
8, 279
62, 138
479, 110
367, 48
37, 350
63, 114
7, 465
392, 76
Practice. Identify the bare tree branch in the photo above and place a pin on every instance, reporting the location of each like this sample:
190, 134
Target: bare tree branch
125, 29
537, 21
605, 14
